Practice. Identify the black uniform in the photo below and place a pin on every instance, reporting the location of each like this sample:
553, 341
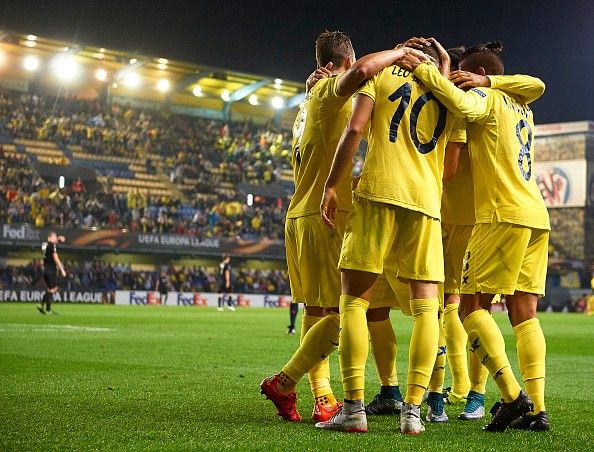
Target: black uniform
163, 289
49, 265
223, 268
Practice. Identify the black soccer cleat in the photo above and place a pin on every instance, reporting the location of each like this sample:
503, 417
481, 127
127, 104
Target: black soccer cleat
381, 406
505, 413
40, 309
536, 423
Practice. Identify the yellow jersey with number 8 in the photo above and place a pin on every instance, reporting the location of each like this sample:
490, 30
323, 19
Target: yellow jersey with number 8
501, 142
316, 132
409, 130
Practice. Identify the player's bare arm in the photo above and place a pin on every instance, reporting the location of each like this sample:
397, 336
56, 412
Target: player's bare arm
59, 264
367, 67
451, 159
347, 147
527, 88
445, 61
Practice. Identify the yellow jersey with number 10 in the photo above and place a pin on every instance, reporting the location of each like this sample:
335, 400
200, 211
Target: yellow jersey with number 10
316, 132
409, 130
501, 142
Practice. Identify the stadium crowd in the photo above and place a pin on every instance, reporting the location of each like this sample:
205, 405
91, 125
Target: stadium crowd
208, 151
100, 276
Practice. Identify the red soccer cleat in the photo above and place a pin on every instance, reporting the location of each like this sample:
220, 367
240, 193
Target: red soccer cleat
323, 413
286, 404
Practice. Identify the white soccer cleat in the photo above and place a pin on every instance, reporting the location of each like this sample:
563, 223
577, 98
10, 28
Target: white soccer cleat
410, 419
231, 308
434, 417
220, 309
351, 418
475, 407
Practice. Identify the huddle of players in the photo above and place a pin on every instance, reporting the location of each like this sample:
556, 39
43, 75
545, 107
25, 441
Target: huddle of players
390, 236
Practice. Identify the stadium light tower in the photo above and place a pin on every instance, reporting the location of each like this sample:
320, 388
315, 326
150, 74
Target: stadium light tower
131, 79
163, 85
253, 99
31, 63
277, 102
65, 67
101, 74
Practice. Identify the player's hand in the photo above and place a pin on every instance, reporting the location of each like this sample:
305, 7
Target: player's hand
444, 57
412, 59
416, 43
329, 206
63, 272
317, 75
61, 239
464, 79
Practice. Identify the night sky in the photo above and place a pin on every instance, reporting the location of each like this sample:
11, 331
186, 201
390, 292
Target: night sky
553, 40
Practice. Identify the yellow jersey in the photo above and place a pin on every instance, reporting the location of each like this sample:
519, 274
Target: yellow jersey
316, 132
409, 130
457, 201
500, 134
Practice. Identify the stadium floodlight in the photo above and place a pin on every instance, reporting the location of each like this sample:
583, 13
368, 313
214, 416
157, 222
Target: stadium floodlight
250, 200
162, 67
131, 80
253, 99
61, 182
133, 60
163, 85
101, 74
2, 57
31, 38
225, 95
277, 102
65, 67
278, 81
30, 43
163, 61
31, 63
197, 91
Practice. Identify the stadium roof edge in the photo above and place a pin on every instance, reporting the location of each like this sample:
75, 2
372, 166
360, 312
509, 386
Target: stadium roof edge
186, 68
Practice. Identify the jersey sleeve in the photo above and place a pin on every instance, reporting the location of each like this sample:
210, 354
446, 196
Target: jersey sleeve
369, 89
458, 131
525, 87
472, 105
51, 249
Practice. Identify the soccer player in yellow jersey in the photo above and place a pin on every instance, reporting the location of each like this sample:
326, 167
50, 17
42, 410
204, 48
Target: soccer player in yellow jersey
312, 249
508, 249
393, 229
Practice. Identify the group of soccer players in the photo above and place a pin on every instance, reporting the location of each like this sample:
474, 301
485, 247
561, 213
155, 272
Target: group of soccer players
445, 215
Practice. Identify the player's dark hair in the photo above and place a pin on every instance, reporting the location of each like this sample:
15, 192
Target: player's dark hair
486, 55
333, 46
432, 52
455, 54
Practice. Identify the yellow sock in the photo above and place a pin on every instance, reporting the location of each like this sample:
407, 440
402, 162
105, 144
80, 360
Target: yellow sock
354, 345
486, 341
318, 343
319, 374
423, 343
438, 375
456, 340
478, 375
385, 349
532, 349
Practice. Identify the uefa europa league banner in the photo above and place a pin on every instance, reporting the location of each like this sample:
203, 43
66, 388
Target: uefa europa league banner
110, 239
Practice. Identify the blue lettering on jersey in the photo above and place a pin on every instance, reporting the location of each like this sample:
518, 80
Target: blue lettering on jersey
479, 92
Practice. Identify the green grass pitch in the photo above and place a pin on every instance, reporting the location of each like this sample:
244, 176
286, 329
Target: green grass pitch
152, 378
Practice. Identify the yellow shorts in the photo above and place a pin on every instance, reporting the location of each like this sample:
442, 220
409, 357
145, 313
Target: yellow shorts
503, 258
312, 258
455, 243
399, 242
383, 295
